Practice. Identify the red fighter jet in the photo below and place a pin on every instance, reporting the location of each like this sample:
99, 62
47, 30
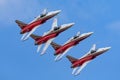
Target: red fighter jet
79, 64
50, 35
28, 29
60, 51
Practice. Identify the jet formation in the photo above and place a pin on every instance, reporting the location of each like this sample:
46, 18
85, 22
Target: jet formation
49, 36
60, 50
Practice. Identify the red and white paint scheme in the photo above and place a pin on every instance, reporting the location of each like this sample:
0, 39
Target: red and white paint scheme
60, 51
79, 64
49, 36
28, 29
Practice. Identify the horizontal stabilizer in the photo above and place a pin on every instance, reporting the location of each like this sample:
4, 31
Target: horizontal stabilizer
55, 45
35, 37
21, 24
71, 59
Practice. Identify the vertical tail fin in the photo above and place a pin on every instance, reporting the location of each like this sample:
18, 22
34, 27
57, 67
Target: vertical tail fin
93, 49
71, 59
55, 45
54, 25
44, 11
78, 33
35, 37
21, 24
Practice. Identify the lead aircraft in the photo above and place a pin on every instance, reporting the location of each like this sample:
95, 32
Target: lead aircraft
61, 50
49, 36
28, 29
79, 64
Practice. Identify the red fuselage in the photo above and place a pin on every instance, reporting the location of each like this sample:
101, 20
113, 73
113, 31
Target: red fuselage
45, 38
70, 44
87, 58
65, 47
50, 35
34, 24
82, 60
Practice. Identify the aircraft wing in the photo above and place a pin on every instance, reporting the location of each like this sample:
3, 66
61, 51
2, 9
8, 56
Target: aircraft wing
60, 57
57, 57
79, 70
28, 35
39, 47
47, 45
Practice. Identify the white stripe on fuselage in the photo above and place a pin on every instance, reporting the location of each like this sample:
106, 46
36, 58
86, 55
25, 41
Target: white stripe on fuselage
28, 35
74, 70
39, 47
80, 68
47, 45
24, 36
58, 58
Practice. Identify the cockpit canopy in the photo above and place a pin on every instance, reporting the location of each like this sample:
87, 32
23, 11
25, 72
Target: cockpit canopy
92, 51
42, 15
75, 37
56, 28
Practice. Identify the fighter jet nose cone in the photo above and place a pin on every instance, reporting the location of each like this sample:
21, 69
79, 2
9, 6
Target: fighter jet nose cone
90, 33
59, 11
107, 48
71, 24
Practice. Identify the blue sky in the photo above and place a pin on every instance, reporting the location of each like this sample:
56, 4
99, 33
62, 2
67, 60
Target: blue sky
19, 60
